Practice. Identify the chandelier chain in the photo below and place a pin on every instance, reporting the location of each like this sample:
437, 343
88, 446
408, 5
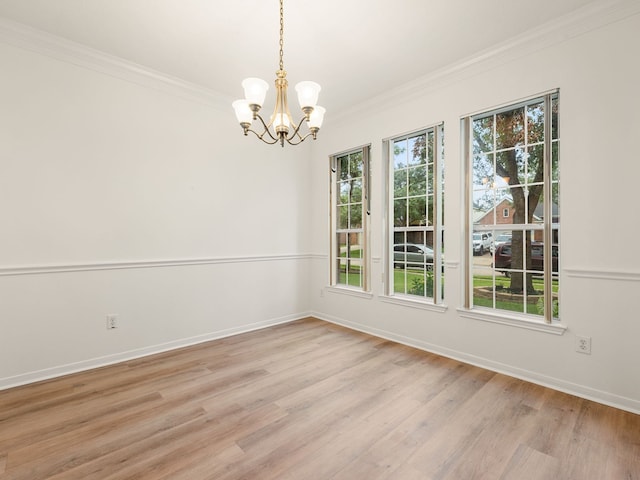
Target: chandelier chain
281, 34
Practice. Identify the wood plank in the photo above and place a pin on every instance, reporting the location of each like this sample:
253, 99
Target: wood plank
530, 464
311, 400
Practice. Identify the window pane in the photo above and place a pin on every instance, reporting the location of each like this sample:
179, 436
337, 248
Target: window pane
535, 164
400, 154
519, 198
356, 215
344, 193
400, 183
343, 217
356, 190
430, 150
417, 211
483, 135
417, 180
417, 150
509, 164
355, 165
554, 119
431, 180
510, 128
535, 122
341, 261
554, 162
400, 213
483, 172
555, 209
343, 168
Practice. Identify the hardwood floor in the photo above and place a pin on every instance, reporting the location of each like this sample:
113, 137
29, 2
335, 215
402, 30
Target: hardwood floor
308, 400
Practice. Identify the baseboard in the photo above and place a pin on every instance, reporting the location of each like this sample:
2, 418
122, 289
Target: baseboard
599, 396
61, 370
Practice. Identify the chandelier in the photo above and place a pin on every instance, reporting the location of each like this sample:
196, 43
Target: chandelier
281, 126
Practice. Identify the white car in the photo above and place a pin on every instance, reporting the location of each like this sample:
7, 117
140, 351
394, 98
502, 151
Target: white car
481, 242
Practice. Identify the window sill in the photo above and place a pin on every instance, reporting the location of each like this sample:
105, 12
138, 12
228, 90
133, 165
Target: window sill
409, 302
514, 320
349, 291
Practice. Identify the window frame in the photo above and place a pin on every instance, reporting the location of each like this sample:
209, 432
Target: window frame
364, 230
552, 324
437, 300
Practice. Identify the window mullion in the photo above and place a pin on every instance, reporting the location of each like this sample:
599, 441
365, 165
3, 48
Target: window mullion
366, 212
548, 212
435, 188
468, 153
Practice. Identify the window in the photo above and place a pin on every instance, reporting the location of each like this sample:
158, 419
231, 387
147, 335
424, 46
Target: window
350, 211
415, 172
513, 162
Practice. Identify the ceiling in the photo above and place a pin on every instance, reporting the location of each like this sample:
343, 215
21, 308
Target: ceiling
356, 49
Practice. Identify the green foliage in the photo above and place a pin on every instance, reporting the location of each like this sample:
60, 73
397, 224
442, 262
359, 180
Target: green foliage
540, 307
418, 286
413, 180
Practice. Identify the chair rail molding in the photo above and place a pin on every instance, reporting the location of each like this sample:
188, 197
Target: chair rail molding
120, 265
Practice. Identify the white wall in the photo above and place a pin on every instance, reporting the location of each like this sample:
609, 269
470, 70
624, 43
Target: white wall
125, 195
598, 75
119, 196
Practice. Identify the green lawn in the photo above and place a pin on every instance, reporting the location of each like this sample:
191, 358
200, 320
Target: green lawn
501, 280
352, 280
514, 306
355, 253
411, 276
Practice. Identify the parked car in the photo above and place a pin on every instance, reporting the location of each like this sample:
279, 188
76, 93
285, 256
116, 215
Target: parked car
481, 242
502, 257
412, 255
502, 239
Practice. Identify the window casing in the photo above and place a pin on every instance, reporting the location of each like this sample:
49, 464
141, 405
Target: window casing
350, 257
512, 160
415, 191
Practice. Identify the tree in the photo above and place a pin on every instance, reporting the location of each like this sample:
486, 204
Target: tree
350, 205
413, 203
509, 150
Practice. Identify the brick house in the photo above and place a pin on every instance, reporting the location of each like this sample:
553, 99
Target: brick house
504, 216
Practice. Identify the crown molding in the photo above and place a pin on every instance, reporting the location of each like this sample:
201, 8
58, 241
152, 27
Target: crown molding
591, 17
34, 40
594, 15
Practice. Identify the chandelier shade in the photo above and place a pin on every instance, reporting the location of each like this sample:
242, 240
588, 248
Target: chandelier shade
281, 127
255, 90
308, 93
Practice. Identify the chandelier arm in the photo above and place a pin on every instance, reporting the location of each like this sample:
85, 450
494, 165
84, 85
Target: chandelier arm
297, 130
261, 136
290, 140
266, 130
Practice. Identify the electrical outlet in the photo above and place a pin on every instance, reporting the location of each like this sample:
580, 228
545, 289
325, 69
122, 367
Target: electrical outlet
583, 345
112, 321
322, 292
